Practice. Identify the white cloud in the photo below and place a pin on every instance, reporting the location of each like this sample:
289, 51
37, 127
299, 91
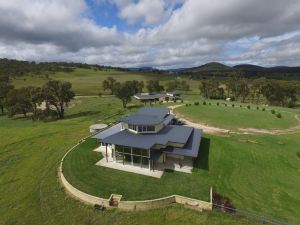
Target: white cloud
200, 31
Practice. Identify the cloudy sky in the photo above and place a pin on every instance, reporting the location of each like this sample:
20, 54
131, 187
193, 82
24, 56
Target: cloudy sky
158, 33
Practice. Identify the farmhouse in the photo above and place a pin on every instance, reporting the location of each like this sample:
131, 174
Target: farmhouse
148, 142
155, 97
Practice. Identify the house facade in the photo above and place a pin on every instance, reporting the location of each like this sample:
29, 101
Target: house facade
148, 139
156, 97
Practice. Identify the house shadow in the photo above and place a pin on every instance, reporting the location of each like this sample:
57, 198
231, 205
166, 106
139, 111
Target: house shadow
202, 161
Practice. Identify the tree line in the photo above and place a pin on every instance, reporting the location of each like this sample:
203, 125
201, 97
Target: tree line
124, 91
237, 87
15, 68
43, 102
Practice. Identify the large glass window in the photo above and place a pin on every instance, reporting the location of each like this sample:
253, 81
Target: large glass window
127, 150
136, 151
119, 148
140, 129
145, 162
150, 128
136, 159
127, 159
144, 152
119, 157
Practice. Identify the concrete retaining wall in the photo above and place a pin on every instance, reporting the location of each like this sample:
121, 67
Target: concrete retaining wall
130, 205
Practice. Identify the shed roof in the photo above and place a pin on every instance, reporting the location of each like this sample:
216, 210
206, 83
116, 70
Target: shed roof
149, 96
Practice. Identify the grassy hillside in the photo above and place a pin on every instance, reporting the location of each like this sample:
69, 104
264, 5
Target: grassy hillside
89, 82
30, 193
239, 117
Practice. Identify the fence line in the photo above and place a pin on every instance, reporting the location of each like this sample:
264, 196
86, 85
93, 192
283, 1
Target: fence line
254, 216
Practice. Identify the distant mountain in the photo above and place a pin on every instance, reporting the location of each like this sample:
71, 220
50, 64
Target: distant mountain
248, 70
144, 69
248, 67
209, 67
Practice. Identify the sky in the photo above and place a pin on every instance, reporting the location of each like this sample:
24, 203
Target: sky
152, 33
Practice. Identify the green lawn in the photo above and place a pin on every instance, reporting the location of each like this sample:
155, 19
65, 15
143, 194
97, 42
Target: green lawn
235, 117
260, 178
30, 193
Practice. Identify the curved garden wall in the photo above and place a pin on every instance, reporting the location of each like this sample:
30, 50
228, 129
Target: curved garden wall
130, 205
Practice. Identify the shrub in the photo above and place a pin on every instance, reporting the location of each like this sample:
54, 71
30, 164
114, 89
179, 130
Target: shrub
160, 102
263, 109
273, 111
209, 103
204, 103
225, 105
232, 105
99, 94
181, 100
186, 105
298, 155
278, 115
223, 203
248, 107
190, 104
218, 103
196, 103
241, 106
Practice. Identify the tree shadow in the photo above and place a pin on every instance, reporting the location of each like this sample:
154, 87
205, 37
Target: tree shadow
202, 161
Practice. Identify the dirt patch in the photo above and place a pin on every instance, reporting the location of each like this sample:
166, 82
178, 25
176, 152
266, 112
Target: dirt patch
248, 140
206, 128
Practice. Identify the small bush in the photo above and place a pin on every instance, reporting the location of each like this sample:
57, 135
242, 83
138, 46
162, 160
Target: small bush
278, 115
196, 103
257, 108
232, 105
218, 103
186, 105
248, 107
160, 102
263, 109
298, 155
241, 106
204, 103
190, 104
209, 103
273, 111
223, 203
99, 94
225, 105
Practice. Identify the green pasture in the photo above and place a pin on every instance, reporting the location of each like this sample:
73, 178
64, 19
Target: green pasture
89, 82
30, 193
239, 116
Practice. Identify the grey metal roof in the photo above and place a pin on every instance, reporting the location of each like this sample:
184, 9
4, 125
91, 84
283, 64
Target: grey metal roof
191, 149
147, 116
170, 133
108, 132
146, 96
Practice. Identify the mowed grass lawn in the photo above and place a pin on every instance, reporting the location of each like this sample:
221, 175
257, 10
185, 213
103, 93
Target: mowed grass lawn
236, 117
262, 178
30, 193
